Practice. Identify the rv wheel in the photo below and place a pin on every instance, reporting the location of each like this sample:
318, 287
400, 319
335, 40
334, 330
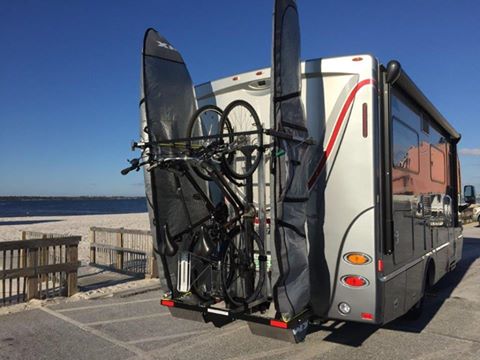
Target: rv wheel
416, 311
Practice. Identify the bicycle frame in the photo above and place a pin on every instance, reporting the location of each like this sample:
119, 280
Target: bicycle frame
184, 163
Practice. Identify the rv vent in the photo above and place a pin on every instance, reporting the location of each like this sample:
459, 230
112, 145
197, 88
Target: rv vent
259, 84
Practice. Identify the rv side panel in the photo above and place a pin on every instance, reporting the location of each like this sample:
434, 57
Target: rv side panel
423, 189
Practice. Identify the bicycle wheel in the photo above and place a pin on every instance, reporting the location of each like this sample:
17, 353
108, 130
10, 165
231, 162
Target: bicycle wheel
204, 122
246, 149
243, 271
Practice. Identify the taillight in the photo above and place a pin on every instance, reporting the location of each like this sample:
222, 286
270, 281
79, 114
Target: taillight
354, 281
169, 303
357, 258
257, 220
380, 265
366, 316
279, 324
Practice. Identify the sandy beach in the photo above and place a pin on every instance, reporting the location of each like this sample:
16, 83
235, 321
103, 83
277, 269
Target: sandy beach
11, 227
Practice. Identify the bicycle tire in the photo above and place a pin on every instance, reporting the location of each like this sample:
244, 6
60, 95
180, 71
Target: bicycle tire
230, 287
196, 119
247, 118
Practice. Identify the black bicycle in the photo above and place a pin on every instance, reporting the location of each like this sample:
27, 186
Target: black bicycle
226, 255
238, 126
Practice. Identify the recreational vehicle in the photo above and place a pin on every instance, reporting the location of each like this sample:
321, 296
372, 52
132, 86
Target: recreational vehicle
382, 219
308, 191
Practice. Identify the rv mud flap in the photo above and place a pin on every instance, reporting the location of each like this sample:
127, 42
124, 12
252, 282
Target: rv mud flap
217, 316
295, 331
187, 314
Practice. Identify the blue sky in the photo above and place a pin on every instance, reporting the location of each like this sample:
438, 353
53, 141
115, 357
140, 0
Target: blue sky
69, 73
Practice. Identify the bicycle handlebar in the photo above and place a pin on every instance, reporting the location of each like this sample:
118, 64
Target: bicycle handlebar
135, 165
211, 150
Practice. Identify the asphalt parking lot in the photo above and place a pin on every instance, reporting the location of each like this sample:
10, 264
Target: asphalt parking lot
137, 327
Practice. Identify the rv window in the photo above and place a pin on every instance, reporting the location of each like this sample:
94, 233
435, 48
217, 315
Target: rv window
437, 164
405, 147
425, 125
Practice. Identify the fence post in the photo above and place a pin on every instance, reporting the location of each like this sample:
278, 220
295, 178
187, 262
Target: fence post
120, 252
44, 260
153, 266
32, 281
22, 251
93, 249
72, 257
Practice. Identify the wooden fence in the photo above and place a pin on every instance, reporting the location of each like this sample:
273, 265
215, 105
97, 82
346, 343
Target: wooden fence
27, 235
129, 251
38, 268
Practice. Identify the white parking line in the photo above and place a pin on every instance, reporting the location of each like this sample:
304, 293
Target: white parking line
108, 305
140, 353
126, 319
201, 339
165, 337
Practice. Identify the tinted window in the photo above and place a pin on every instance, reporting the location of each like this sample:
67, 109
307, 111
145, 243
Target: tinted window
405, 146
406, 143
437, 164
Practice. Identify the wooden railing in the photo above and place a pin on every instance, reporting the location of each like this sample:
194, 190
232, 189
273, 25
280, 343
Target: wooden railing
27, 235
125, 250
38, 268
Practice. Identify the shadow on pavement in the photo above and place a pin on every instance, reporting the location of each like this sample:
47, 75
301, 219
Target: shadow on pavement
345, 333
95, 277
354, 334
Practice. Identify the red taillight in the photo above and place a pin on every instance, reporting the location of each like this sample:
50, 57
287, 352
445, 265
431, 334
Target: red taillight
354, 281
365, 120
366, 316
257, 221
380, 265
169, 303
279, 324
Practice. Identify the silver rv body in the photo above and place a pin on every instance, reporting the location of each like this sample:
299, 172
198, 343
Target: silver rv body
382, 209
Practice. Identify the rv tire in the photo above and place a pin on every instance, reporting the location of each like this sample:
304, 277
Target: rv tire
416, 311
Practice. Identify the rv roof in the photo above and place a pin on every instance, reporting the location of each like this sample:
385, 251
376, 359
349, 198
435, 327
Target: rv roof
406, 84
206, 89
219, 85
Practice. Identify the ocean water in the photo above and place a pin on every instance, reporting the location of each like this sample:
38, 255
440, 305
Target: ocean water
58, 207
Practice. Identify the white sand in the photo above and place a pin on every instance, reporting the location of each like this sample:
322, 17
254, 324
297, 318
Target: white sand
10, 228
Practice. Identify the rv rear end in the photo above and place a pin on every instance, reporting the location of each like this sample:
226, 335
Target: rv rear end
340, 99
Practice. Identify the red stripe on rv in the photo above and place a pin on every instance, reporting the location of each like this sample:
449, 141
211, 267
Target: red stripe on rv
336, 131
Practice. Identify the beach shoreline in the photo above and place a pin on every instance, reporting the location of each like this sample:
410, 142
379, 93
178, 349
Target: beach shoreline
79, 225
